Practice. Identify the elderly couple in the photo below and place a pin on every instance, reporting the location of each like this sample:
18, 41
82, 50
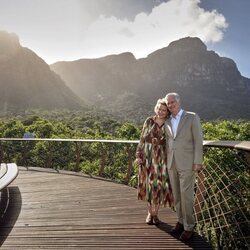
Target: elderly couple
169, 154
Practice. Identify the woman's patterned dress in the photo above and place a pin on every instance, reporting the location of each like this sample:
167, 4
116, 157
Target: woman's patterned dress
153, 180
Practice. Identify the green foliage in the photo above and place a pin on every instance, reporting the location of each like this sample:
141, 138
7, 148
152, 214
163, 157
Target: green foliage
41, 128
226, 130
62, 154
12, 129
128, 131
90, 167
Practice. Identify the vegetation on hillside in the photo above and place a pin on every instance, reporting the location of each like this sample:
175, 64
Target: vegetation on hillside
88, 157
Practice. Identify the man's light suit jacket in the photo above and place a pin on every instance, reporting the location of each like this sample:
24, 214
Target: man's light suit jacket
187, 146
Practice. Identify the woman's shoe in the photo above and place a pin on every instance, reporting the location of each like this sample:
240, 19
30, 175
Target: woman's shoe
156, 220
149, 219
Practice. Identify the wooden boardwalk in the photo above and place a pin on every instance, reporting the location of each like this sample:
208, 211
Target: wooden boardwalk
49, 210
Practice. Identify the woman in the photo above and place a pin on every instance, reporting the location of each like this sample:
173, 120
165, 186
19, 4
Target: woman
151, 156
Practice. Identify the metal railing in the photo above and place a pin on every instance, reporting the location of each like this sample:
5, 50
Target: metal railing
224, 195
222, 190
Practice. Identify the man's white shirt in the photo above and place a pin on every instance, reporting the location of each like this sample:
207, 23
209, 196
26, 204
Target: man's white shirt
175, 122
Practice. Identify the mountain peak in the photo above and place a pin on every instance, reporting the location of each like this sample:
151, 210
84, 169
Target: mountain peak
26, 81
188, 43
9, 44
127, 56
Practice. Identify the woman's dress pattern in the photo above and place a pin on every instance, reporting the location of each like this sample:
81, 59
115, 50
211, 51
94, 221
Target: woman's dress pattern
153, 179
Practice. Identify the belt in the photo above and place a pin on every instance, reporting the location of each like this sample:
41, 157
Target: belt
155, 140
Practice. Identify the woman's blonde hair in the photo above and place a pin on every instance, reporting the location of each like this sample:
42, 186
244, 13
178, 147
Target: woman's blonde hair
160, 102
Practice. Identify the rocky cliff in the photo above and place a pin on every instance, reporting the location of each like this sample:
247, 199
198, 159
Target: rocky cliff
208, 84
26, 81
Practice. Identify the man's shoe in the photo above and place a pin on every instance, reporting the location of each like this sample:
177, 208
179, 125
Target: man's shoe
186, 235
156, 220
179, 228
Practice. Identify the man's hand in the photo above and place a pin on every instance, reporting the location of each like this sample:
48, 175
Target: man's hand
197, 167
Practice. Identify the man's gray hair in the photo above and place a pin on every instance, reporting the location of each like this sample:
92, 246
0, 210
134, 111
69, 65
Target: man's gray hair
175, 95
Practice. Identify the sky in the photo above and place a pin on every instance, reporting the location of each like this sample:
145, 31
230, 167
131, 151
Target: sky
67, 30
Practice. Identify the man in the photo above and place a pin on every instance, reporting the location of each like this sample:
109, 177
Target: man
185, 154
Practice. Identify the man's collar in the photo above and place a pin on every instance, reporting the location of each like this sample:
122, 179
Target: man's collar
178, 114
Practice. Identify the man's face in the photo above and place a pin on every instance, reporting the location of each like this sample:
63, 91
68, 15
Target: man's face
173, 106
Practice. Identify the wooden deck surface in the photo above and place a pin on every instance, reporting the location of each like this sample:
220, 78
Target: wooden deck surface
49, 210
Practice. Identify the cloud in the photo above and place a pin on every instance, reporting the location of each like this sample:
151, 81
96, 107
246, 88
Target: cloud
167, 22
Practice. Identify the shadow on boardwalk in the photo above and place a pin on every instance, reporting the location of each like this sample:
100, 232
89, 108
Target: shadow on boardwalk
197, 242
11, 202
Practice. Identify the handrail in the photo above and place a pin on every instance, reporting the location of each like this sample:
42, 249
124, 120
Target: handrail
69, 140
244, 145
241, 145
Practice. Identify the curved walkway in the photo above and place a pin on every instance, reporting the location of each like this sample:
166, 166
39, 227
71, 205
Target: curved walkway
46, 210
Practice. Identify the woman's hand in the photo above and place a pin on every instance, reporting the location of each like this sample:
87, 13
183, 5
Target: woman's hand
139, 157
139, 161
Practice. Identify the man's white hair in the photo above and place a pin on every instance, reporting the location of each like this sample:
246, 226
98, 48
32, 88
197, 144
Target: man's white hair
175, 95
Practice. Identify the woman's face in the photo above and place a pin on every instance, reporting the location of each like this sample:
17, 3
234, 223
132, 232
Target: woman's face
162, 111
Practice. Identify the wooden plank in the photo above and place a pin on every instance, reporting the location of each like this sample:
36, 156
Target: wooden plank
61, 211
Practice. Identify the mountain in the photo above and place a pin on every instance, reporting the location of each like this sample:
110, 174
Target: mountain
208, 84
27, 82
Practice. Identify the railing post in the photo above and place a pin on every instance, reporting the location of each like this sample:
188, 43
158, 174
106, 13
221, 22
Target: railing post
49, 159
24, 153
103, 160
130, 164
248, 157
78, 155
1, 152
